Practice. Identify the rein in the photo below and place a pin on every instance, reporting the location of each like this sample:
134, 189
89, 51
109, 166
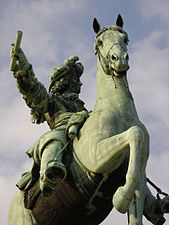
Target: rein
159, 191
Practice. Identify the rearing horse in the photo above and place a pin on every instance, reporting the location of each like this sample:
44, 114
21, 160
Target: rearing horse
109, 154
114, 132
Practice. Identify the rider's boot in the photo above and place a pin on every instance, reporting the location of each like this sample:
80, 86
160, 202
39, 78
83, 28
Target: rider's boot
52, 170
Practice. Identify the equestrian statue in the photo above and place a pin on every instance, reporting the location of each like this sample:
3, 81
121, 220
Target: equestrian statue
89, 162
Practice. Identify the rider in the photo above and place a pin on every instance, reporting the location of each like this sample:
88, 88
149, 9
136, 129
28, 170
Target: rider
56, 107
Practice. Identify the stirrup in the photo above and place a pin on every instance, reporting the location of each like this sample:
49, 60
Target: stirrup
54, 174
56, 171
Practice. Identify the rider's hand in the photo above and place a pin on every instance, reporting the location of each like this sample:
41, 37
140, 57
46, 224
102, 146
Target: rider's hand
22, 62
71, 62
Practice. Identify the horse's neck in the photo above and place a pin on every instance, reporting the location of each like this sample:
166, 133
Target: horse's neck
113, 93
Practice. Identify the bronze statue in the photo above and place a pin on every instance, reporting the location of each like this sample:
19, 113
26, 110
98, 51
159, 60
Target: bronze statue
89, 162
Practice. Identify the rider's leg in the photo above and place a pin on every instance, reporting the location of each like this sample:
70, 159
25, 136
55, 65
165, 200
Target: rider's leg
47, 153
52, 170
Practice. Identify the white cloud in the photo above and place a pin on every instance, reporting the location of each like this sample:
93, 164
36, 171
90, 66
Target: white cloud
157, 170
149, 66
149, 83
154, 8
6, 195
41, 22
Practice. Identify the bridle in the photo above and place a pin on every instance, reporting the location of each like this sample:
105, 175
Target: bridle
105, 61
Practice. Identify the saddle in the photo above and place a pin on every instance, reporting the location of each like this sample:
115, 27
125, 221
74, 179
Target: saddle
31, 195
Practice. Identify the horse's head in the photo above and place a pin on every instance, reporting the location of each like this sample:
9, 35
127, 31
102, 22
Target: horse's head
111, 48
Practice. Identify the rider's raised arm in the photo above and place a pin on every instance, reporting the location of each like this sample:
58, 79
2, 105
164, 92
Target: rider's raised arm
64, 87
33, 91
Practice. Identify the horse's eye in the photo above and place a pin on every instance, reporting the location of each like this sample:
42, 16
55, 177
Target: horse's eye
100, 43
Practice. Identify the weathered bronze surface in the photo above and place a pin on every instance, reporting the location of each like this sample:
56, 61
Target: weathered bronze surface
88, 162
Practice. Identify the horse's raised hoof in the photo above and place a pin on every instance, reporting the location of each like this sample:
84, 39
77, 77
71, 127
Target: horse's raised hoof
121, 202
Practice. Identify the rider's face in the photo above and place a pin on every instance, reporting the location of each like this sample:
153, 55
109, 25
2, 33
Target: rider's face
76, 86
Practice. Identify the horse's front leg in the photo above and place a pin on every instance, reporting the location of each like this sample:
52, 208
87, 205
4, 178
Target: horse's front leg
107, 154
138, 144
137, 205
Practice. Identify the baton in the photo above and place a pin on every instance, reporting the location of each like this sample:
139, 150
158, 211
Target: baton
16, 46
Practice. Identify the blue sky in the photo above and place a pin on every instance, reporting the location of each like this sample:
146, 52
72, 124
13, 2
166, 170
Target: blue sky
53, 30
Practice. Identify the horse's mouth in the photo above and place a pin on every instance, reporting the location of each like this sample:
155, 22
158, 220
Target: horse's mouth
119, 74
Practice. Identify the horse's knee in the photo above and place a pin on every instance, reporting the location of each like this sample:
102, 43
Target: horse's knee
140, 138
132, 179
136, 133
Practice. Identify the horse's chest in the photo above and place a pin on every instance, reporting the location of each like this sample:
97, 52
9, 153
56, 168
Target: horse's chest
112, 123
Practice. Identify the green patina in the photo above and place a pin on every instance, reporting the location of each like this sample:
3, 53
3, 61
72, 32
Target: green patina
101, 143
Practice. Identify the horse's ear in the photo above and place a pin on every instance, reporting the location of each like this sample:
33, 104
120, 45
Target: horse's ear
96, 26
119, 21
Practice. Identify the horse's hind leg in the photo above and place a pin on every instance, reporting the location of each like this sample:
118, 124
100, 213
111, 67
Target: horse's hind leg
18, 214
